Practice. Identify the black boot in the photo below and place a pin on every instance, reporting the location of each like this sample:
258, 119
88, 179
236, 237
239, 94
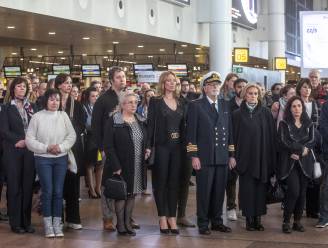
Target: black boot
119, 210
297, 226
257, 223
129, 204
250, 224
286, 224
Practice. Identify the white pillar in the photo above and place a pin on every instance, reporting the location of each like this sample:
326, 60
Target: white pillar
276, 22
221, 37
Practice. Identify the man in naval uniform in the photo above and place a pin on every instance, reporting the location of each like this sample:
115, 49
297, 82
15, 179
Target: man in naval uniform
210, 146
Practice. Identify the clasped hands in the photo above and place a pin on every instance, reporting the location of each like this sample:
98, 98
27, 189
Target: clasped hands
54, 149
297, 157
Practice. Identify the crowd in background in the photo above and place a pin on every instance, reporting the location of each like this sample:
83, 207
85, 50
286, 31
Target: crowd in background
53, 133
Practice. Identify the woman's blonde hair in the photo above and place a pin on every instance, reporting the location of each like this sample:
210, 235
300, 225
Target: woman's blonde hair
161, 84
252, 85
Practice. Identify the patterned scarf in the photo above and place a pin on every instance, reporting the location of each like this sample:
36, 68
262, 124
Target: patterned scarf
251, 106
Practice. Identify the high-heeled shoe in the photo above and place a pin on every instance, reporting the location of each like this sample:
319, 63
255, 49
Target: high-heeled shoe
173, 231
163, 231
91, 196
98, 195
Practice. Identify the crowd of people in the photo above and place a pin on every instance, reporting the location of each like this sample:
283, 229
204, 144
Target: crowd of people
230, 130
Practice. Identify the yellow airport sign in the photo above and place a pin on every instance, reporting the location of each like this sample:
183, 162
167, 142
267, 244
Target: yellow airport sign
241, 55
280, 63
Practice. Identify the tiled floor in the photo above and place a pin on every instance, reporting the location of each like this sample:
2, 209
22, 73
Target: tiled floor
148, 236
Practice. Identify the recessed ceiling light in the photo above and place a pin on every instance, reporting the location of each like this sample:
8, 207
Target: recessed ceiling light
33, 49
131, 54
86, 38
84, 54
198, 48
140, 46
197, 55
105, 57
109, 51
60, 52
150, 56
13, 53
162, 50
21, 59
63, 58
184, 45
40, 56
180, 53
11, 27
116, 42
52, 33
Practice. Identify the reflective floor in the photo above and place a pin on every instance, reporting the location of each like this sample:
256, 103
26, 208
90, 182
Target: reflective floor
93, 236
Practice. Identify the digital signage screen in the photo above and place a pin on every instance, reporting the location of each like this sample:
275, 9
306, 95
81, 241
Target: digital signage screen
57, 69
142, 67
245, 13
91, 71
180, 70
12, 71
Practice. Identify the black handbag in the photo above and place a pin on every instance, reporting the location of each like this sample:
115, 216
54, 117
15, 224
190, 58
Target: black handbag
275, 192
116, 188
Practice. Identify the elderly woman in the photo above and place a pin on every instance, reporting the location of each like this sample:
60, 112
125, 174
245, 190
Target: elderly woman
254, 137
19, 161
296, 138
124, 145
51, 161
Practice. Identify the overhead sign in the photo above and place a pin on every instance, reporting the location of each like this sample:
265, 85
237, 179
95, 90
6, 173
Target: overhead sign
180, 70
57, 69
149, 76
244, 13
91, 71
237, 69
241, 55
314, 40
280, 63
142, 67
12, 71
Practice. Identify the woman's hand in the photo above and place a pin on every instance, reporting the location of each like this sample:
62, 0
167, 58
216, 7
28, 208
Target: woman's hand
196, 163
305, 151
20, 144
53, 149
118, 172
232, 163
295, 157
147, 153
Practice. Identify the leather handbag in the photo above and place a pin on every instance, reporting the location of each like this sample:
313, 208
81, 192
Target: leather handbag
116, 188
275, 191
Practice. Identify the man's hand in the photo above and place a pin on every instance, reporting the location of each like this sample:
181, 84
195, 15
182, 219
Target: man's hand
118, 172
20, 144
305, 152
147, 153
295, 157
195, 161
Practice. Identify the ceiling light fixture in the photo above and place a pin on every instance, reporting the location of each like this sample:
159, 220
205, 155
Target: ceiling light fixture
162, 50
131, 54
140, 46
40, 56
63, 58
198, 48
84, 54
184, 45
33, 49
180, 53
109, 51
150, 56
13, 53
116, 42
60, 52
52, 33
11, 27
86, 38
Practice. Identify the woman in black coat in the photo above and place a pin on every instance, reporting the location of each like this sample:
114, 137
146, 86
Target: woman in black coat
18, 160
254, 137
77, 115
296, 139
124, 146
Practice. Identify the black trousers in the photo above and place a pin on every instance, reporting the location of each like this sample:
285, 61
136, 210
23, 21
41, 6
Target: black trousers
296, 192
211, 182
313, 198
185, 175
165, 178
71, 196
231, 189
252, 193
20, 173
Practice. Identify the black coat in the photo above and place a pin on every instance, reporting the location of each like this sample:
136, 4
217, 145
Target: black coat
104, 105
324, 127
293, 140
119, 149
78, 122
255, 141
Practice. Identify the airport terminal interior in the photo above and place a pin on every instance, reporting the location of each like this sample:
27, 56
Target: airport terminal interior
264, 41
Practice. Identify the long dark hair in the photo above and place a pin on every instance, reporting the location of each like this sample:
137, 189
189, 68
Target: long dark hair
288, 116
86, 95
300, 85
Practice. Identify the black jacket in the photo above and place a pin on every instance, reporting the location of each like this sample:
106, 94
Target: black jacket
324, 127
104, 105
293, 140
157, 122
119, 149
255, 141
12, 127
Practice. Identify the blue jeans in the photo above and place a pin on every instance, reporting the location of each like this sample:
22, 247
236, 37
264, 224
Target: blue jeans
52, 173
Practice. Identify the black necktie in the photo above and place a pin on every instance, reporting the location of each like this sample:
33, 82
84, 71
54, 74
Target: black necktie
214, 106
